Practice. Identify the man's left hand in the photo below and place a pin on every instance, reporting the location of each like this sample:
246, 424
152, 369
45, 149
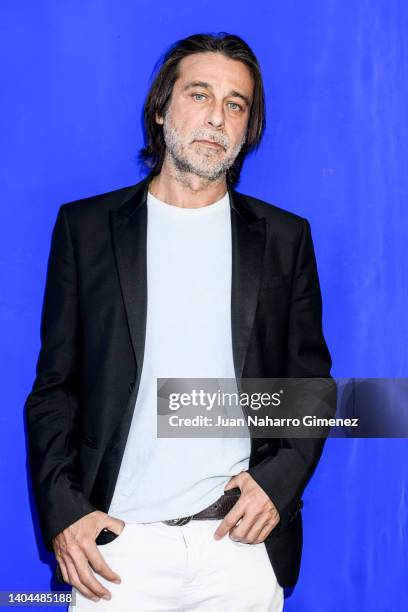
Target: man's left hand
254, 510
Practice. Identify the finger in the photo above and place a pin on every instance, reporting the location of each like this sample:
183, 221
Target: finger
99, 565
267, 529
256, 531
74, 580
86, 576
230, 520
240, 532
63, 568
88, 579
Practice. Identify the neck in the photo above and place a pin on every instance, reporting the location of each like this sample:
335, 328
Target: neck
185, 189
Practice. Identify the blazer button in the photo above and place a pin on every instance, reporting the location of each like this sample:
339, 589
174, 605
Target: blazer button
131, 386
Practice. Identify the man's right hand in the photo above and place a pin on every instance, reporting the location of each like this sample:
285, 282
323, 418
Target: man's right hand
76, 550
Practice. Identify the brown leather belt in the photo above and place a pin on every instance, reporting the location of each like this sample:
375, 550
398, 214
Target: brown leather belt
217, 510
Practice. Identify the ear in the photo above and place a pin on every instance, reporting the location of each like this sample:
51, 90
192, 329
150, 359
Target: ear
159, 119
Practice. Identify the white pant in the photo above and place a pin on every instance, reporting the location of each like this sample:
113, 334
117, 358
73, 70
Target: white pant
166, 568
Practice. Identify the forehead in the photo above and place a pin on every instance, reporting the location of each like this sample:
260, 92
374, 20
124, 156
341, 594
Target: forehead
217, 70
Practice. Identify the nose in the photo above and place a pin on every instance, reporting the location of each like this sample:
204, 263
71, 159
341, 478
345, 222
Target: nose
215, 117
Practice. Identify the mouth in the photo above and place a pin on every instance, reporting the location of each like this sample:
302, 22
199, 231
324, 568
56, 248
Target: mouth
209, 143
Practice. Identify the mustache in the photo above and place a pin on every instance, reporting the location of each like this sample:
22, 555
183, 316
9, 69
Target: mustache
217, 139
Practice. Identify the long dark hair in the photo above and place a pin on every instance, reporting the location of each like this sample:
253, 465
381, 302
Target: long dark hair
158, 97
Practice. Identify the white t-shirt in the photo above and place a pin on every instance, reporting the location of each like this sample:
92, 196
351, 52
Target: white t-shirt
188, 335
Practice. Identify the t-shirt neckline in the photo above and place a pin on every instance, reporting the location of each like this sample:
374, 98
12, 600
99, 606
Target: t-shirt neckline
220, 204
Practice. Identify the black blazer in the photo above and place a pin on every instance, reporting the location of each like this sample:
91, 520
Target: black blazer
93, 320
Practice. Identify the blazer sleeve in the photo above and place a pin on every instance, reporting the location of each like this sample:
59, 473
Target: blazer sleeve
52, 409
284, 476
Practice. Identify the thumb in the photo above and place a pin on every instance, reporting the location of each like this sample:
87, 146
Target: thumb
231, 484
114, 524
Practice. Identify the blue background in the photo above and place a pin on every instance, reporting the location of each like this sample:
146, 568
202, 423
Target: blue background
335, 151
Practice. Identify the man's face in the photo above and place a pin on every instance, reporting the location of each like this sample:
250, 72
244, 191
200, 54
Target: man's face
210, 101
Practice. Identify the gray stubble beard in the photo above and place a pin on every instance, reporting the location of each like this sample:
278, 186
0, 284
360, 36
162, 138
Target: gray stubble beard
183, 164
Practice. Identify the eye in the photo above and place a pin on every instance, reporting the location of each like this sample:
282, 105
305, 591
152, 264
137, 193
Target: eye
237, 106
198, 94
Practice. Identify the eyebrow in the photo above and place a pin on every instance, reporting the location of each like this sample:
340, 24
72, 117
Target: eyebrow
233, 93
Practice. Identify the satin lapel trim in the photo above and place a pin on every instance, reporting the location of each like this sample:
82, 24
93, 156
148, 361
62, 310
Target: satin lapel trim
248, 245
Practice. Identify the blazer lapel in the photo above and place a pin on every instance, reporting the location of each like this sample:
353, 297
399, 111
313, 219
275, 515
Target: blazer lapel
129, 233
248, 244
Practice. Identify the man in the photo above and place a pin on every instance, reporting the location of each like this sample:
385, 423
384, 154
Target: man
177, 276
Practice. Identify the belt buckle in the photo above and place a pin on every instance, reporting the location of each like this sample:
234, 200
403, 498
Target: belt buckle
179, 521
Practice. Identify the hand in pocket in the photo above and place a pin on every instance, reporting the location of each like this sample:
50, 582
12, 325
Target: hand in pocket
76, 551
